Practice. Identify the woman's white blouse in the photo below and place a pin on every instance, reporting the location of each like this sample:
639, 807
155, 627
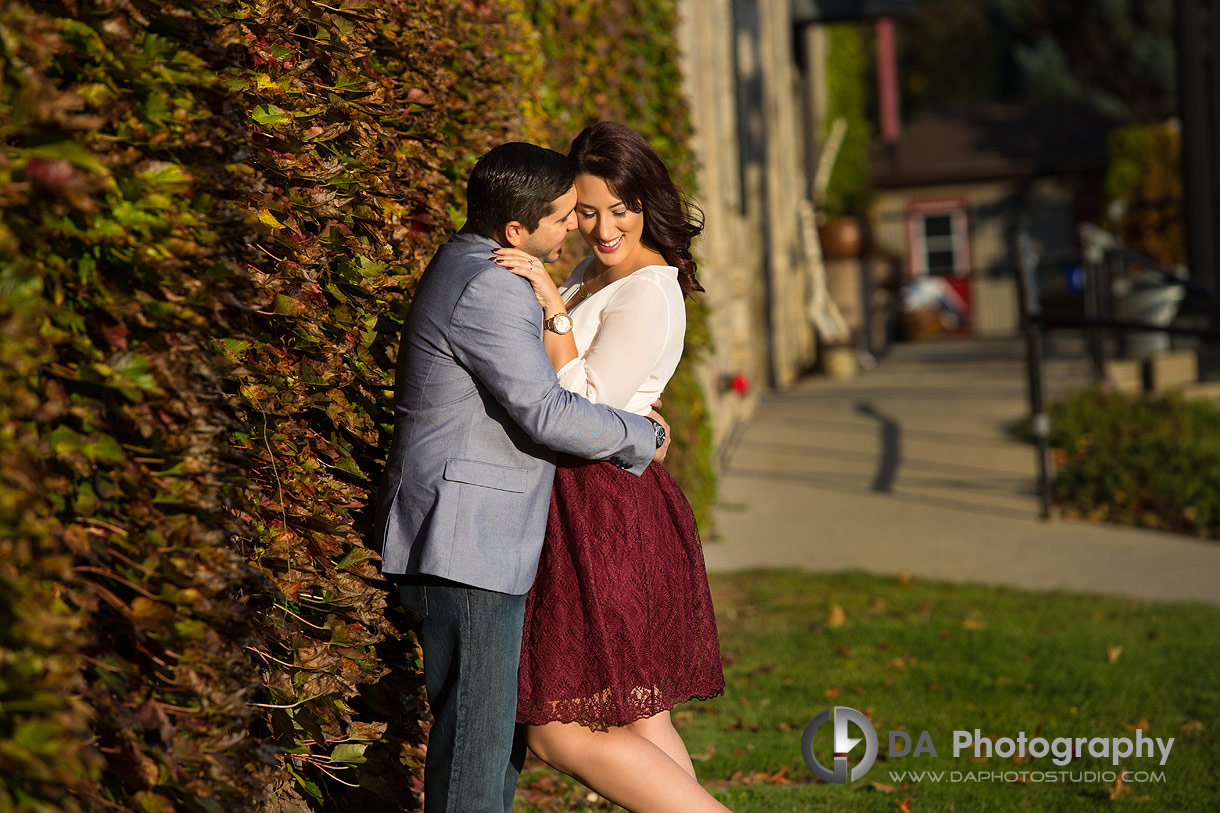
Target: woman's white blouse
628, 337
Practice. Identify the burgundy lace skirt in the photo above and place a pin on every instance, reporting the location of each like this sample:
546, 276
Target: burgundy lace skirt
619, 624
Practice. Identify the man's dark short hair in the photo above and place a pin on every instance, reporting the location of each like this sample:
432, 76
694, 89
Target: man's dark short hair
515, 181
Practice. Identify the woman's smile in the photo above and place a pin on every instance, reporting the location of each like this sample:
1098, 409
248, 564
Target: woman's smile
607, 246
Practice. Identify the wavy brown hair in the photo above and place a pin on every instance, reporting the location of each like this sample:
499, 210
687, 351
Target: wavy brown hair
622, 158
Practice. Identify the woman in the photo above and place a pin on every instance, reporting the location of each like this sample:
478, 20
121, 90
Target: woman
619, 626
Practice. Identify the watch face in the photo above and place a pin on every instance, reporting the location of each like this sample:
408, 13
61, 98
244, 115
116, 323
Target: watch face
561, 323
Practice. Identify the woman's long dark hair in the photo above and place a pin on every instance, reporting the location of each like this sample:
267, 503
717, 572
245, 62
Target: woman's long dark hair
622, 158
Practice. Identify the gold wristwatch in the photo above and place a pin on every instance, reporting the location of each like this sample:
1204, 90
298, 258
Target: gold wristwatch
560, 323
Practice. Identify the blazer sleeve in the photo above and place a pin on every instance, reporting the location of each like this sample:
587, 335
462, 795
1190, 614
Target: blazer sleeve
495, 332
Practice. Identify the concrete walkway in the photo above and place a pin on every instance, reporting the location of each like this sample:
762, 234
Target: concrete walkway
913, 468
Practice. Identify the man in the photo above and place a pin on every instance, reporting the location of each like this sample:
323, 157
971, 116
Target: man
463, 505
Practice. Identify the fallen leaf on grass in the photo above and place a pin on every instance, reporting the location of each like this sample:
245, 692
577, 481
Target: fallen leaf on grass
833, 692
843, 651
904, 806
904, 578
837, 617
780, 777
972, 623
1141, 723
705, 754
1119, 788
1192, 725
880, 788
784, 725
1112, 653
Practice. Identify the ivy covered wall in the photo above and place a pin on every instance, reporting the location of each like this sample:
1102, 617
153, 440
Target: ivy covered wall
211, 221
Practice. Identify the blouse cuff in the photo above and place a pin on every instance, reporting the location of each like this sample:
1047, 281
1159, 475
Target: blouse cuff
567, 368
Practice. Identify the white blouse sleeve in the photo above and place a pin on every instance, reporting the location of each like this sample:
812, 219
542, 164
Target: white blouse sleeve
630, 339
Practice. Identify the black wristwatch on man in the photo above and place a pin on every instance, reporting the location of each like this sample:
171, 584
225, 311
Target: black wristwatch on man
659, 431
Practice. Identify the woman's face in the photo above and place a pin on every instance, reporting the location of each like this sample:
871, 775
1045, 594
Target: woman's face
613, 231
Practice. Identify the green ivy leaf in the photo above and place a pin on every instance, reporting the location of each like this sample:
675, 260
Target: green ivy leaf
351, 753
270, 115
284, 305
354, 556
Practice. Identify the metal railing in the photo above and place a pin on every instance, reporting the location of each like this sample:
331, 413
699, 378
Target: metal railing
1130, 302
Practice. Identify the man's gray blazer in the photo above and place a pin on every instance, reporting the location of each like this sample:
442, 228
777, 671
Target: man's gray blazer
479, 418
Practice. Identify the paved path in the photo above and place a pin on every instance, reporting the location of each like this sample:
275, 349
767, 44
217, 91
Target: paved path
913, 468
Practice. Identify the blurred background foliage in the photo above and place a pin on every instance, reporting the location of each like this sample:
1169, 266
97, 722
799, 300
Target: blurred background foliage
1144, 180
1117, 56
849, 62
211, 221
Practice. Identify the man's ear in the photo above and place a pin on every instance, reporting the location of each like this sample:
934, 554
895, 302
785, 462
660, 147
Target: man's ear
515, 234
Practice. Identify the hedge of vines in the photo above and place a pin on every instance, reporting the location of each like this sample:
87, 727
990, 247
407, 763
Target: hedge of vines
211, 220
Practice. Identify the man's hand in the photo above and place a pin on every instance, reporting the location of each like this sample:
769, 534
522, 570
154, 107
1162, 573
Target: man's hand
660, 455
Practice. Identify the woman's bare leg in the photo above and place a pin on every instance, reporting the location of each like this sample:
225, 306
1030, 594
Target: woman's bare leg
622, 766
659, 730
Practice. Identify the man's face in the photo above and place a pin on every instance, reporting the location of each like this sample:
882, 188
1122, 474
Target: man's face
546, 241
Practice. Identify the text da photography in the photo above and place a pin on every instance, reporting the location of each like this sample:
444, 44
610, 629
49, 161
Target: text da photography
836, 737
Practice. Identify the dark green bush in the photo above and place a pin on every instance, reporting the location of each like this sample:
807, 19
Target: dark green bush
1139, 461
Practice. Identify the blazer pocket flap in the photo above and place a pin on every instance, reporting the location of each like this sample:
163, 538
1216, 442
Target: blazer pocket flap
489, 475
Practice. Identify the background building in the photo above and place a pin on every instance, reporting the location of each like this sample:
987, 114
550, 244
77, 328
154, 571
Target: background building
755, 74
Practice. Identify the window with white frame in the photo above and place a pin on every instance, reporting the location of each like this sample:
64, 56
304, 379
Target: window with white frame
939, 239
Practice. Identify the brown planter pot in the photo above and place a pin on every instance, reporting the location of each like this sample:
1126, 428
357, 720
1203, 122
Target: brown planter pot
842, 237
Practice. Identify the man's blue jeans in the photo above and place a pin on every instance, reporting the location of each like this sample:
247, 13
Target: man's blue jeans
471, 640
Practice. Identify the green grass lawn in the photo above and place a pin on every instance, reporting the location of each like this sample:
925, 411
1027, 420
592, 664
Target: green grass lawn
941, 658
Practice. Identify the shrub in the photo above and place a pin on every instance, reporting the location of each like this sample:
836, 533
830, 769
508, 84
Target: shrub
1139, 461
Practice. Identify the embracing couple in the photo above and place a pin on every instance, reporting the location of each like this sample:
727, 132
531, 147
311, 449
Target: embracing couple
506, 386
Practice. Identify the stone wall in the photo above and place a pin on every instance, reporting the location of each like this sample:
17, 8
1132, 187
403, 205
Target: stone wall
745, 93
